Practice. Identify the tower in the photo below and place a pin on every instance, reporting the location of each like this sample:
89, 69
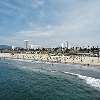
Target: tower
66, 44
26, 43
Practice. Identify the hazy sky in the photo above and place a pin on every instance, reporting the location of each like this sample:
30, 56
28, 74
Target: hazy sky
49, 22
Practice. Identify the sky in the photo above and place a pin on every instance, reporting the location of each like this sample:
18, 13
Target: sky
50, 22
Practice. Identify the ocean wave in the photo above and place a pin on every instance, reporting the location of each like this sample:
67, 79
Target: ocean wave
89, 80
21, 60
32, 61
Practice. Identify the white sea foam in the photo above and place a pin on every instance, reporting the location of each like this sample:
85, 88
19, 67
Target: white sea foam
22, 60
89, 80
27, 60
53, 71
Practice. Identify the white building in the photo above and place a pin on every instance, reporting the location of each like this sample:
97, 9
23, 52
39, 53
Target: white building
64, 44
13, 47
35, 46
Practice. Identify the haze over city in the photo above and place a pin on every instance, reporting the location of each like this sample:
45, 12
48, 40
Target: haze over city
50, 22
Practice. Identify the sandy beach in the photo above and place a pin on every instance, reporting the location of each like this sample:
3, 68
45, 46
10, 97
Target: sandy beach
73, 59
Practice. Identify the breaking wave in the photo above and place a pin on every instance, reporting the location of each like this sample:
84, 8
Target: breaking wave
89, 80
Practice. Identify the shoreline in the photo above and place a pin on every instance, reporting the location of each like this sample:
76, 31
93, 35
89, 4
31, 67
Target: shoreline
74, 60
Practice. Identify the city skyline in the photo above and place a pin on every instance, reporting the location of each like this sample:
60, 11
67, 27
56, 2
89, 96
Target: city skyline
50, 22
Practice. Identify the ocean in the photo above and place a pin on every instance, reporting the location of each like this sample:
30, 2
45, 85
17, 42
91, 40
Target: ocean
23, 80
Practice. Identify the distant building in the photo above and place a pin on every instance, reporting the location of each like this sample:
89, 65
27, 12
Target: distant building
13, 47
35, 46
64, 44
26, 43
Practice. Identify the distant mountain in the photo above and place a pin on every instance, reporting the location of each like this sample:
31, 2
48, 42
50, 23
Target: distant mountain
5, 47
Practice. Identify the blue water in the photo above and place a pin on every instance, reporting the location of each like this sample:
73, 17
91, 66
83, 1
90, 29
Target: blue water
40, 81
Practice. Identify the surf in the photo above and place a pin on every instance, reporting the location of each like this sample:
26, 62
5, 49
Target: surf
89, 80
